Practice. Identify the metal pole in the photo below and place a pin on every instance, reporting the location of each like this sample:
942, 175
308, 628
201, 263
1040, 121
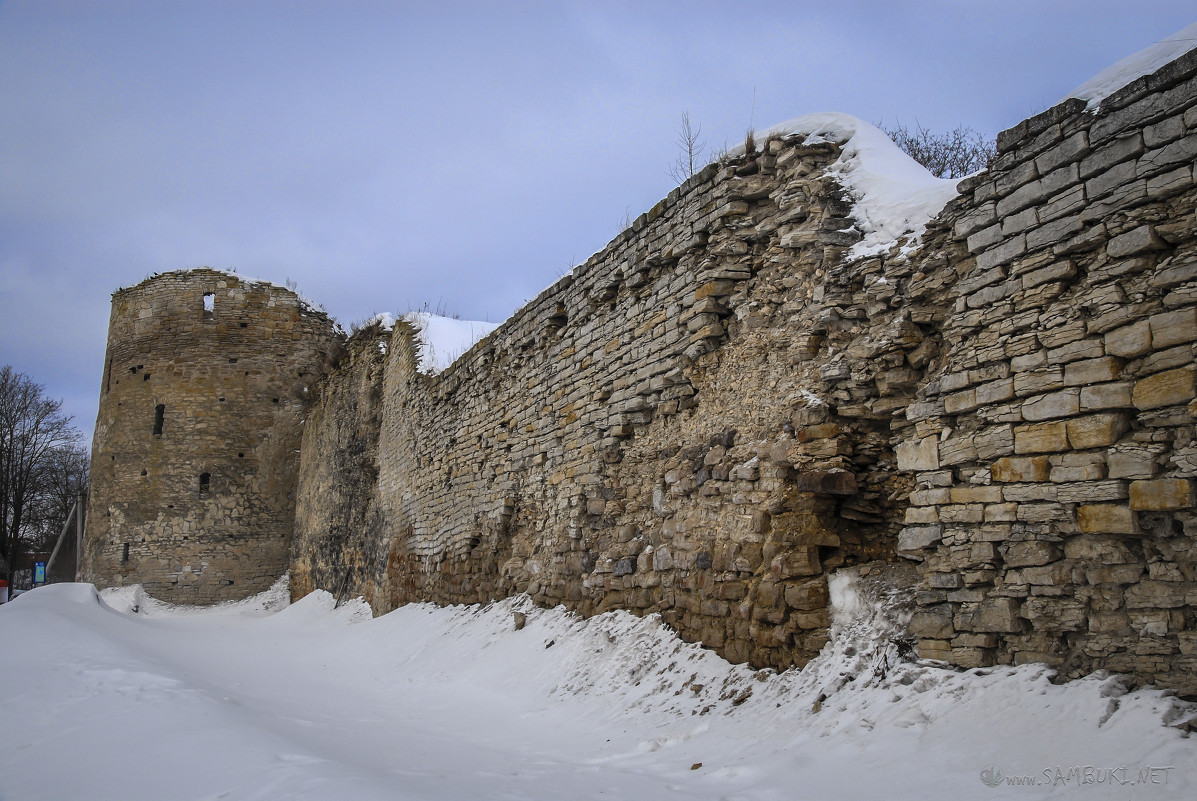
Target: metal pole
81, 500
65, 528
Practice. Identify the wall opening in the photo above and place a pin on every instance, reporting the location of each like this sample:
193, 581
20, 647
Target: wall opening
125, 554
205, 483
159, 415
209, 305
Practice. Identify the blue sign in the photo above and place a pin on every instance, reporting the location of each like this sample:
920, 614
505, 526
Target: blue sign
39, 572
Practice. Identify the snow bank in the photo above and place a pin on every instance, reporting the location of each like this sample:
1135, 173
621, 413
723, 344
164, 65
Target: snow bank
133, 600
1145, 62
317, 701
441, 340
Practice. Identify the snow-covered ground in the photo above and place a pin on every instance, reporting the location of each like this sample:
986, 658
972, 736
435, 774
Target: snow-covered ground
115, 696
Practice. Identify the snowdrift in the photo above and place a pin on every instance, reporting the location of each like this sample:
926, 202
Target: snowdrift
121, 697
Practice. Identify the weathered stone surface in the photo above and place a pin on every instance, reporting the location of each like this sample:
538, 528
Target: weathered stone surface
995, 614
1156, 595
1134, 460
1030, 553
1055, 614
916, 538
1041, 438
1174, 328
826, 482
1165, 389
1106, 518
920, 455
1140, 240
933, 622
1116, 395
799, 561
1161, 494
1052, 405
976, 494
1097, 430
1092, 371
1015, 469
1130, 340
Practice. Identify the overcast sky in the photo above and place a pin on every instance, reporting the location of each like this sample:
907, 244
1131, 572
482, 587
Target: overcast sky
385, 155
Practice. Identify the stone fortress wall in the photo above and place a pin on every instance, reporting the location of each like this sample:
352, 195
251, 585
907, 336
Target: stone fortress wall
194, 456
1053, 445
721, 407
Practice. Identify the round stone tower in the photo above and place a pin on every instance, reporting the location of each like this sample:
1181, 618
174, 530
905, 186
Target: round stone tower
196, 447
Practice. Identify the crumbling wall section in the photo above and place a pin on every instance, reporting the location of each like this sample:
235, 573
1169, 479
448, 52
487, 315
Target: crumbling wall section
696, 422
339, 543
722, 407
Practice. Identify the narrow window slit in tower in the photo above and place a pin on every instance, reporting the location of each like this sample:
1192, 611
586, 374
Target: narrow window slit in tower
125, 554
159, 414
205, 483
209, 305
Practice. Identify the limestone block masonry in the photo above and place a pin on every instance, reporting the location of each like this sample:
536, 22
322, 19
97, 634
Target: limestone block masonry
721, 407
1053, 445
194, 460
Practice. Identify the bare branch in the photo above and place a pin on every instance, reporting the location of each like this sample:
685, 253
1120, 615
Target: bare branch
954, 154
690, 143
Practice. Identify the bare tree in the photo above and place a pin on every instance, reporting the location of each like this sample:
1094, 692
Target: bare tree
62, 480
954, 154
689, 142
34, 438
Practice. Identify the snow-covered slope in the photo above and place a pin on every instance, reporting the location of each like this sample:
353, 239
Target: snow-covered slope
442, 339
319, 701
439, 340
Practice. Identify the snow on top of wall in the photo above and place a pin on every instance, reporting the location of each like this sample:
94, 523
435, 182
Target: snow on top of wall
893, 195
385, 321
1145, 62
441, 340
305, 302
